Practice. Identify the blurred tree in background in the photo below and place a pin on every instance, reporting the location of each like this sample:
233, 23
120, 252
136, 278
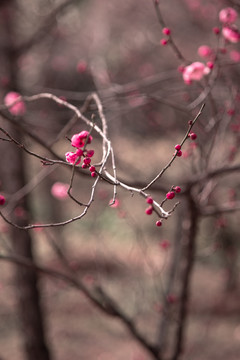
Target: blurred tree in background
156, 86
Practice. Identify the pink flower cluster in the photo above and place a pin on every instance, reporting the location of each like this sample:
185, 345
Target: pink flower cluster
195, 71
17, 109
80, 141
230, 31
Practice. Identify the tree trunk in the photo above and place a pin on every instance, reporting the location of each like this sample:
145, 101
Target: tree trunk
12, 169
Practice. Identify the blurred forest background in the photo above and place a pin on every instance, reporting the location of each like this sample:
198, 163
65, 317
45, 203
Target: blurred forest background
70, 49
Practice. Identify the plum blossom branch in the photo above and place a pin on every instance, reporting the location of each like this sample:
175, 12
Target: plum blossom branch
21, 146
175, 154
163, 25
107, 151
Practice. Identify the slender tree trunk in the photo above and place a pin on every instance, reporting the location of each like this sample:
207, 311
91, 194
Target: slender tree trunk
166, 319
188, 254
13, 178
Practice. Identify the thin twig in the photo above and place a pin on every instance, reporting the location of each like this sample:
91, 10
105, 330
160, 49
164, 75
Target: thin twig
175, 154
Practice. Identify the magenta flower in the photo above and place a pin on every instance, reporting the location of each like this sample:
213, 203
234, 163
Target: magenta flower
78, 140
90, 153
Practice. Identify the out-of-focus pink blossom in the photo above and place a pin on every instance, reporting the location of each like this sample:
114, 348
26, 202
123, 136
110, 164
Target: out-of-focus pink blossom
59, 190
2, 200
231, 34
228, 15
205, 51
210, 65
81, 66
18, 108
116, 203
195, 71
235, 55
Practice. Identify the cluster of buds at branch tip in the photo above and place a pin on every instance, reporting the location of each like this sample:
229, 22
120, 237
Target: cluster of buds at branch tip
149, 200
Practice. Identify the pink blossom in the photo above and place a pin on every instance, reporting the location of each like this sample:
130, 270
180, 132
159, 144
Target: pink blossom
90, 153
116, 203
18, 108
210, 65
59, 190
216, 30
81, 66
92, 168
149, 200
79, 152
87, 161
71, 158
166, 31
231, 34
195, 71
19, 211
235, 55
84, 134
163, 42
171, 298
2, 200
77, 141
165, 244
170, 195
228, 15
205, 51
149, 210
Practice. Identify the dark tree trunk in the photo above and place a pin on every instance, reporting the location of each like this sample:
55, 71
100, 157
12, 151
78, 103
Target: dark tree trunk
26, 280
12, 169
